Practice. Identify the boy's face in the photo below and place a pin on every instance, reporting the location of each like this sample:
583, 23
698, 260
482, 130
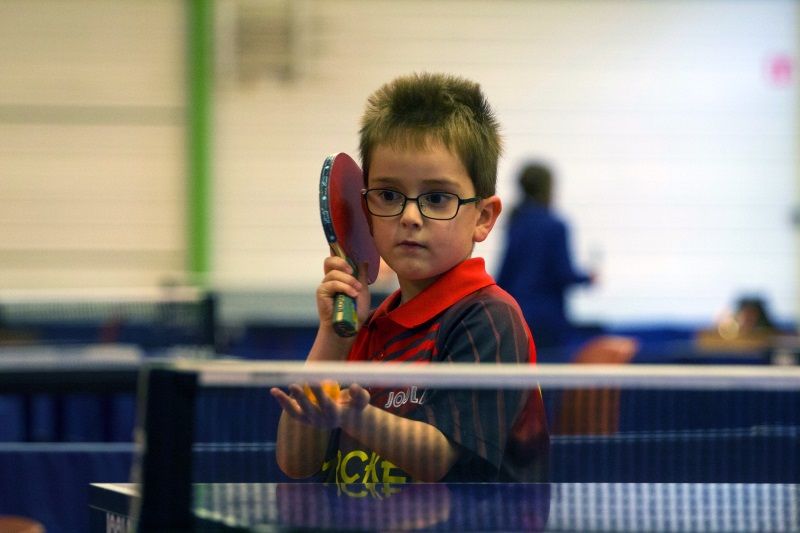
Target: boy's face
417, 248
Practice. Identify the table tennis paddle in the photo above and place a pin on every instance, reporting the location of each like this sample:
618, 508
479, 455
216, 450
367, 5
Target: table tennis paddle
347, 229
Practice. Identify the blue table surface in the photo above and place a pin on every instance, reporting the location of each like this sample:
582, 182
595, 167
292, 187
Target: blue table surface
482, 506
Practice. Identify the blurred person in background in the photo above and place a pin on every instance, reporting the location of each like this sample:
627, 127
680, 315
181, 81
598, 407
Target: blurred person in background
748, 327
537, 268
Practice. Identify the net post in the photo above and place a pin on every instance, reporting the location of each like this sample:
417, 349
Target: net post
165, 432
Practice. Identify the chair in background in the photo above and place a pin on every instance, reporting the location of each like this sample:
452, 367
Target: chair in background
595, 411
20, 524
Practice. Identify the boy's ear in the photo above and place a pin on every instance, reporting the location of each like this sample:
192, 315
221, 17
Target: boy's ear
489, 211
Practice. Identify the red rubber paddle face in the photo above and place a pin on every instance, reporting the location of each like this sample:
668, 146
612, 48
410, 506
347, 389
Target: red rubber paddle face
343, 216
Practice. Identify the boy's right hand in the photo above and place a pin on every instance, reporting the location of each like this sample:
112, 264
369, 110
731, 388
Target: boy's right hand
339, 279
324, 412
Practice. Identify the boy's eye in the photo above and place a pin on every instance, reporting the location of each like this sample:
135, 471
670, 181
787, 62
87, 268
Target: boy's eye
437, 199
388, 196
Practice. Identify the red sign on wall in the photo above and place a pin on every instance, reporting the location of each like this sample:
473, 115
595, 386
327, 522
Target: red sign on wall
780, 69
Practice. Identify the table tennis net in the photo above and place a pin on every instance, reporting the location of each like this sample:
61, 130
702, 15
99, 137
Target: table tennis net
571, 507
620, 427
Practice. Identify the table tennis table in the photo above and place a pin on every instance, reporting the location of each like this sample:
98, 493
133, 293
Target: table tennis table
63, 369
472, 507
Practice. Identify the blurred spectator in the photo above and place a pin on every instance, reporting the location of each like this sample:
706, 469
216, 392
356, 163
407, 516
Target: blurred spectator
748, 327
752, 316
537, 268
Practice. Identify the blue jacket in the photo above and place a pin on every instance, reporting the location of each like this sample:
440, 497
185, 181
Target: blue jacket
537, 270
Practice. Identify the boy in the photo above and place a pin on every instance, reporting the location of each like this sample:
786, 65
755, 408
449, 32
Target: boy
429, 148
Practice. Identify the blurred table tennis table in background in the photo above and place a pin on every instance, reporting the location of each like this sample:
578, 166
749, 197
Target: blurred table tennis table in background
78, 368
49, 384
33, 375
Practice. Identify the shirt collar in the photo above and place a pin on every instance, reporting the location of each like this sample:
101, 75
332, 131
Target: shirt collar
458, 282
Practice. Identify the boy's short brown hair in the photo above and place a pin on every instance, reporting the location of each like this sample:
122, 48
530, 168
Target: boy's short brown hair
413, 110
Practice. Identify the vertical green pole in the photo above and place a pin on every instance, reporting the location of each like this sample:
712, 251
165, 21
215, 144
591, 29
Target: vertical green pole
200, 79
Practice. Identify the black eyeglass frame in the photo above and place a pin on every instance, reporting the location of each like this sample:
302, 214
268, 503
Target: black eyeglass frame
461, 201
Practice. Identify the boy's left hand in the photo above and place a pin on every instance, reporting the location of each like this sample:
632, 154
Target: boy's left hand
325, 413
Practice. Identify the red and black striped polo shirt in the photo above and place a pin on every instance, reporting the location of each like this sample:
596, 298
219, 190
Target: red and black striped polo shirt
463, 317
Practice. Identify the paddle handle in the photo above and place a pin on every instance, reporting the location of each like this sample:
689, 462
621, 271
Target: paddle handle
345, 318
345, 315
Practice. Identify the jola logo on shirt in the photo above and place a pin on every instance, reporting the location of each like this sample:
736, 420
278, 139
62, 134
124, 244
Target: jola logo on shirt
401, 397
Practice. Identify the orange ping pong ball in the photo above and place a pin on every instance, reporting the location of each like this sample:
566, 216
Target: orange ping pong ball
329, 388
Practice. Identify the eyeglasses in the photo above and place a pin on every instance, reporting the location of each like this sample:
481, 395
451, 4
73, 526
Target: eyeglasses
434, 205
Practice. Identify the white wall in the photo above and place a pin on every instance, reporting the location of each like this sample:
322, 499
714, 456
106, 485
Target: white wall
91, 143
675, 149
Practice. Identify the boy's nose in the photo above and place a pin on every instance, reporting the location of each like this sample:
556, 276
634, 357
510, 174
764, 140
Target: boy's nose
411, 214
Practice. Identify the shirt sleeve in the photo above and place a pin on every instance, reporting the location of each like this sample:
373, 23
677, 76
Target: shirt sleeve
480, 331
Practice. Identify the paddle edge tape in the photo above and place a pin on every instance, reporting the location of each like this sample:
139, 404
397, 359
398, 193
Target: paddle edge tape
324, 199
